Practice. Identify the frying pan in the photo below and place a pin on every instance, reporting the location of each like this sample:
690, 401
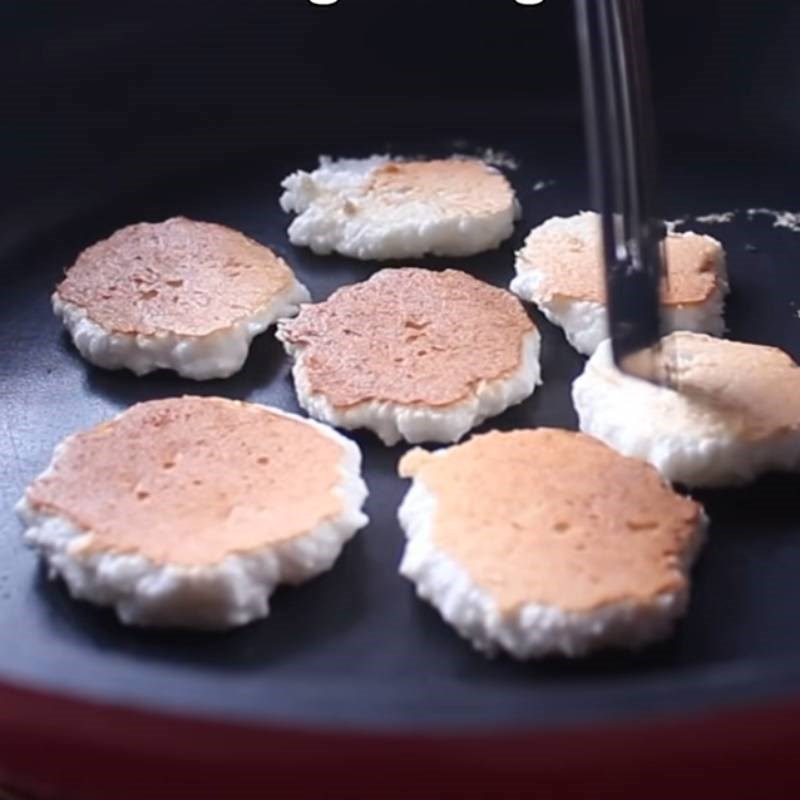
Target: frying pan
352, 687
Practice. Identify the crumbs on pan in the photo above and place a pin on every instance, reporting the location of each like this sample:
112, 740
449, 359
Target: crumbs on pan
489, 155
672, 224
499, 158
539, 185
716, 218
780, 219
790, 220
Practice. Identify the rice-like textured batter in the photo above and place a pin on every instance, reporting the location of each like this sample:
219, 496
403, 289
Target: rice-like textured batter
190, 511
560, 269
734, 414
547, 542
413, 354
380, 207
181, 295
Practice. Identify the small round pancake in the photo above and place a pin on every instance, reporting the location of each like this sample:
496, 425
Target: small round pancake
378, 208
190, 511
547, 542
181, 295
560, 269
413, 354
735, 412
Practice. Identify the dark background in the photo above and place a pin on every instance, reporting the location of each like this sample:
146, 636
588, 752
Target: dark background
96, 95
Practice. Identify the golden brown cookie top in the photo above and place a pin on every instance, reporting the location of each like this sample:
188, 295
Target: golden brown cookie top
410, 336
191, 480
566, 253
179, 276
556, 518
456, 186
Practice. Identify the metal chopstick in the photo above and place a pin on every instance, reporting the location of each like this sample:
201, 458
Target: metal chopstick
620, 139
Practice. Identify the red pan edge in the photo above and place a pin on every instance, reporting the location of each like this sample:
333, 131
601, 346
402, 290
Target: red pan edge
56, 746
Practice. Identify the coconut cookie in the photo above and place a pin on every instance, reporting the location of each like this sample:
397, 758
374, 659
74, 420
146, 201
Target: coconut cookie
413, 354
378, 207
190, 511
734, 412
560, 269
546, 541
181, 295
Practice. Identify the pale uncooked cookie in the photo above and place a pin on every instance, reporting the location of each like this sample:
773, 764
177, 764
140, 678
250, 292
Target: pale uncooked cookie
735, 413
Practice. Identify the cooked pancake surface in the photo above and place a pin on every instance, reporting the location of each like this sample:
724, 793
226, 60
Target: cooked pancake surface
189, 512
734, 411
188, 481
383, 207
179, 276
409, 336
555, 518
567, 256
753, 388
453, 186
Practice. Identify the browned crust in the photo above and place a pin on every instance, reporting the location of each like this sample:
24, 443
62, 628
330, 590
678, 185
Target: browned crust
569, 262
179, 276
409, 336
190, 480
556, 518
467, 186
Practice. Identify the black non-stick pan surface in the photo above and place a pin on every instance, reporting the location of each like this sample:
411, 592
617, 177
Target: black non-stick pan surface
355, 648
